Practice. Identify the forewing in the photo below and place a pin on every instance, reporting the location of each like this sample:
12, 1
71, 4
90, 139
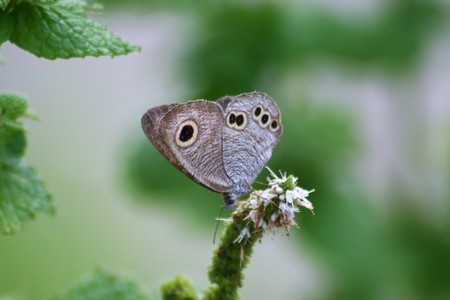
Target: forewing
200, 158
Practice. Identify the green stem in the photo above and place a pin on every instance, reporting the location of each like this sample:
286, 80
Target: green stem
229, 261
226, 271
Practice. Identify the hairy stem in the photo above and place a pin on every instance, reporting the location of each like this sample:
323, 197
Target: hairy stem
229, 261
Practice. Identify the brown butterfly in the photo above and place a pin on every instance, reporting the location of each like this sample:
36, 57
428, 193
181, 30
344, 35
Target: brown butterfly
221, 145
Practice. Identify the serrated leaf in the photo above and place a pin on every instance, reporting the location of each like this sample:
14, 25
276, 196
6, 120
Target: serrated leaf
12, 132
4, 4
61, 30
103, 286
22, 196
12, 144
5, 27
77, 7
22, 192
12, 106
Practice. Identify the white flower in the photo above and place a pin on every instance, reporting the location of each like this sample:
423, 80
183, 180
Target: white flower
266, 196
278, 190
275, 180
288, 212
298, 197
253, 203
301, 193
290, 197
274, 207
244, 234
251, 215
305, 203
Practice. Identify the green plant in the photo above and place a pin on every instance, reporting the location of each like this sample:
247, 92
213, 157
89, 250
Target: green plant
264, 211
22, 192
104, 286
50, 29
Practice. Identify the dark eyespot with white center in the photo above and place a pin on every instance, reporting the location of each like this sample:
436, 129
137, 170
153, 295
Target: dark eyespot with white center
186, 134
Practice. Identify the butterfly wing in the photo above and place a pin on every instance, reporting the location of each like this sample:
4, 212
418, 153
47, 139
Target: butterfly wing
190, 137
252, 130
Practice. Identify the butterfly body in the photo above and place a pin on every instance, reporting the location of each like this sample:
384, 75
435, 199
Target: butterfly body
221, 145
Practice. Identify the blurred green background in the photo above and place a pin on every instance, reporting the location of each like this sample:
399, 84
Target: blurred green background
364, 88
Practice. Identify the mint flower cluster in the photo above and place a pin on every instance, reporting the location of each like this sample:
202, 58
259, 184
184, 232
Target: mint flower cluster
273, 208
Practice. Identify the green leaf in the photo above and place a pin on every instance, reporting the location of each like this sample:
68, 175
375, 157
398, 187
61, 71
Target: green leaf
12, 133
22, 192
4, 4
60, 29
76, 7
12, 144
12, 106
5, 27
103, 286
22, 196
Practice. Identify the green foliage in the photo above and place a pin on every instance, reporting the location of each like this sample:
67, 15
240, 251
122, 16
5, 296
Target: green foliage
58, 29
4, 4
5, 27
243, 47
421, 249
22, 192
228, 60
104, 286
317, 142
370, 258
50, 29
178, 289
22, 196
149, 174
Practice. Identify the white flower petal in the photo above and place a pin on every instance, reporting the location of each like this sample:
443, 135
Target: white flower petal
274, 217
301, 193
306, 203
290, 197
244, 234
278, 190
274, 207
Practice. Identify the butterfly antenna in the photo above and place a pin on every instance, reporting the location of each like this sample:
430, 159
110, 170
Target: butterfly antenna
217, 225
